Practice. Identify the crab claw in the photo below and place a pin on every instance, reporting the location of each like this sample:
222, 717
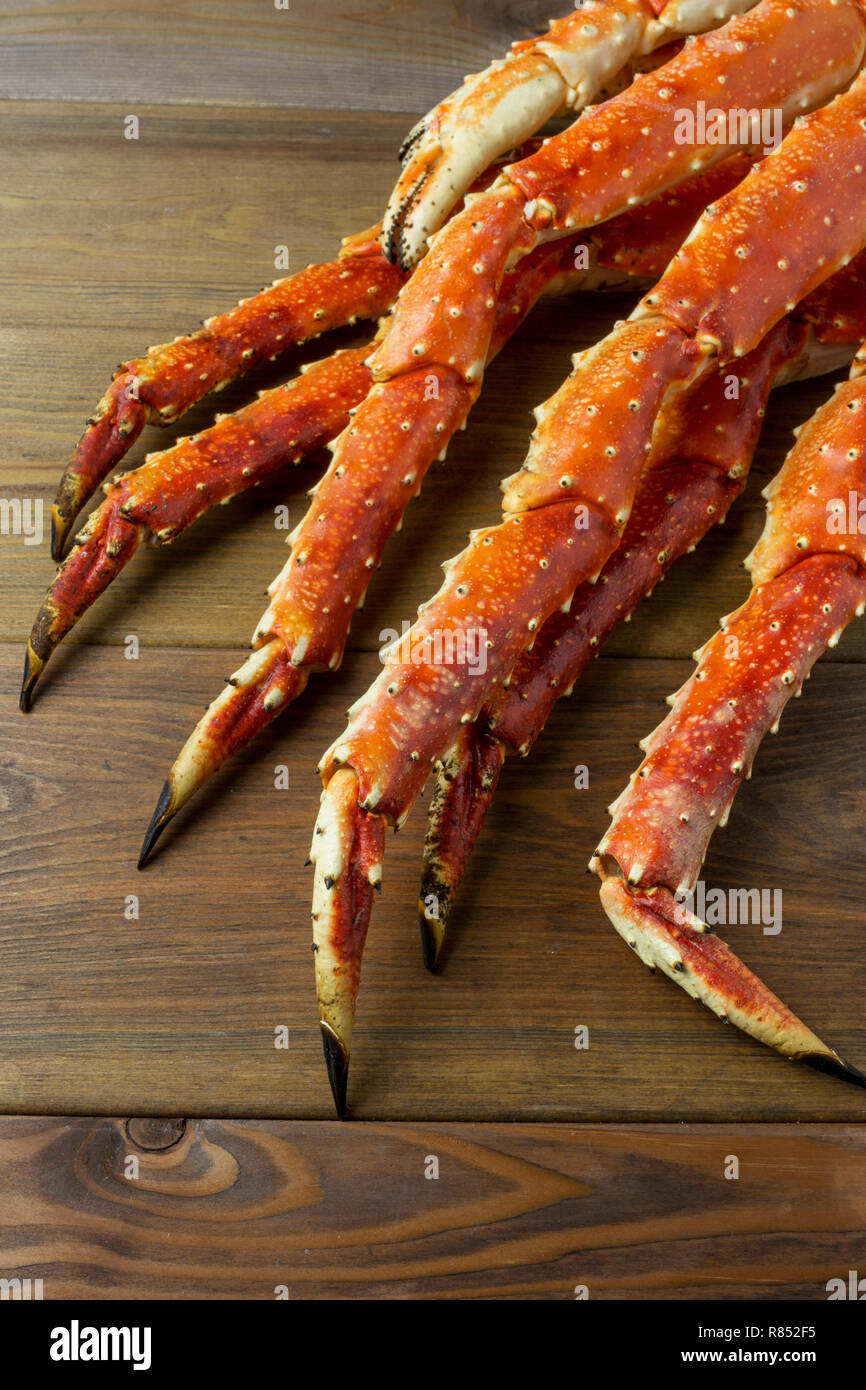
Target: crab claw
495, 110
347, 851
106, 544
668, 937
574, 63
445, 153
466, 779
252, 697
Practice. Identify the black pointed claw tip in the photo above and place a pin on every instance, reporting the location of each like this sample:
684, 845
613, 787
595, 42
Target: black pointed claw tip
337, 1062
430, 943
834, 1066
158, 821
59, 532
28, 682
63, 515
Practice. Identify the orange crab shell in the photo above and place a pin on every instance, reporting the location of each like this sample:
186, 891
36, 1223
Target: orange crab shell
577, 178
698, 757
826, 164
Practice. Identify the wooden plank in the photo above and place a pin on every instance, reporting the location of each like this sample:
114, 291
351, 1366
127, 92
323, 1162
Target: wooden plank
343, 54
218, 1209
141, 239
175, 1012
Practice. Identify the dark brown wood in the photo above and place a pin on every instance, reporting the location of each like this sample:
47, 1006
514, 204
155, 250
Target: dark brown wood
175, 1012
338, 54
306, 1210
153, 1134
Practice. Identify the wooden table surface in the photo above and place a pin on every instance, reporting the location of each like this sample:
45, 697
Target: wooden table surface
261, 127
258, 1210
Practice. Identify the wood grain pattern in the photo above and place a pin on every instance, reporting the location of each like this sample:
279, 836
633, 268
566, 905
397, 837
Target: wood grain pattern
227, 1210
344, 54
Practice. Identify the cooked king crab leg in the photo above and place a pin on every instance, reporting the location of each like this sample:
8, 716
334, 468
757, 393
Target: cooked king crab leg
161, 386
807, 584
172, 489
567, 507
771, 69
639, 243
702, 451
599, 43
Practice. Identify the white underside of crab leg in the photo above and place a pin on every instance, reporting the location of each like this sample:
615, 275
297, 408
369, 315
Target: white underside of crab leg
573, 64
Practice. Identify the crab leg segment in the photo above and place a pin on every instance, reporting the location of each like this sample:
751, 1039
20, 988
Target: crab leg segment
668, 937
495, 110
566, 508
346, 838
106, 544
158, 388
242, 450
808, 582
172, 489
465, 781
643, 240
697, 759
252, 697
